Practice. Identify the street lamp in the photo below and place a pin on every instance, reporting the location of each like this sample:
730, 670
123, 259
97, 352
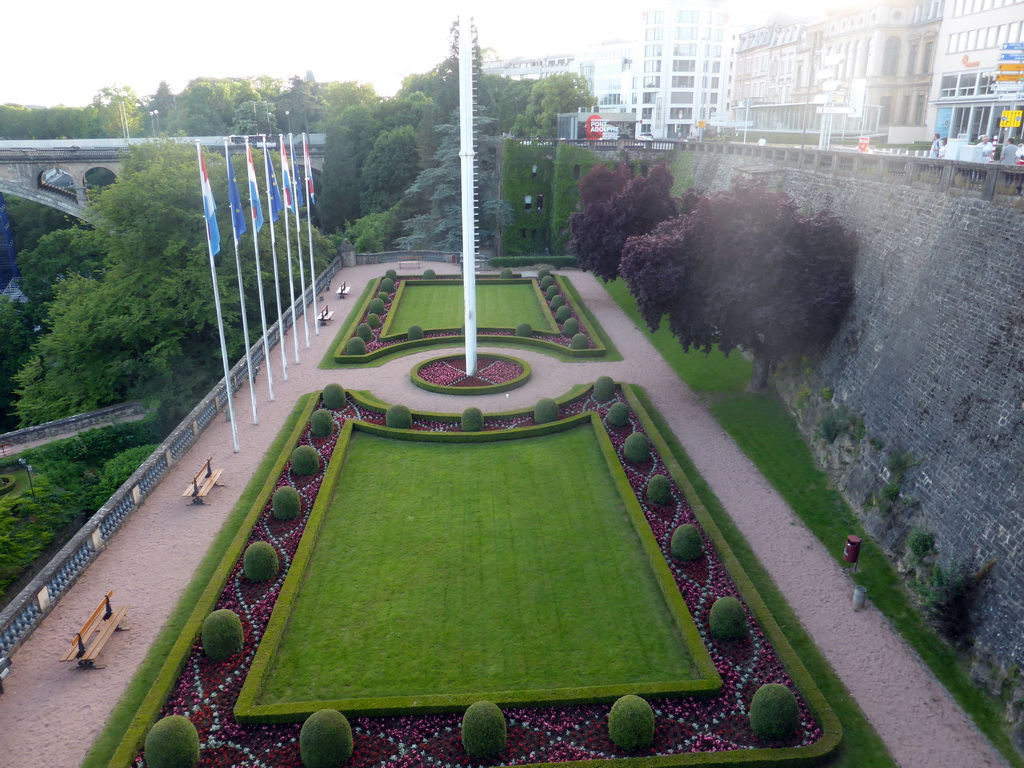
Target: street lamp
153, 118
28, 468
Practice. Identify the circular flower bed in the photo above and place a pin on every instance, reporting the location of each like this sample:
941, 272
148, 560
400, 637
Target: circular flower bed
494, 373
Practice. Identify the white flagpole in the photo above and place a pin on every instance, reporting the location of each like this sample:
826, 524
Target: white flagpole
220, 319
241, 293
309, 229
298, 235
259, 278
288, 244
468, 210
273, 251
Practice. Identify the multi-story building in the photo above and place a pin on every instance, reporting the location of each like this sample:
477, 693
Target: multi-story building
608, 68
964, 95
531, 67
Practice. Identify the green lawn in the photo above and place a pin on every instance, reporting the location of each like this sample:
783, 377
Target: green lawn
442, 306
502, 572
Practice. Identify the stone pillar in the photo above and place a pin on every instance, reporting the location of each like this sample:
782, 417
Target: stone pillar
348, 254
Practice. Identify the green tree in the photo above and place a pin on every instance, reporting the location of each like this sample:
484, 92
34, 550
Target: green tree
56, 256
301, 106
389, 169
550, 97
121, 110
207, 105
15, 338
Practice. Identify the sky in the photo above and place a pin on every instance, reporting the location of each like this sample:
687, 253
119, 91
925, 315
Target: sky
65, 52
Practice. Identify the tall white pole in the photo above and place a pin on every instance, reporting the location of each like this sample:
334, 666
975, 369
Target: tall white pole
273, 253
309, 226
253, 194
220, 319
241, 285
298, 235
288, 242
468, 183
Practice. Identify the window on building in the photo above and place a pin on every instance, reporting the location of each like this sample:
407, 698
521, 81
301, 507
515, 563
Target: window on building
683, 113
652, 81
685, 33
652, 51
575, 172
919, 108
912, 59
647, 113
682, 97
891, 57
968, 82
527, 202
533, 171
540, 203
652, 66
682, 81
948, 87
686, 17
684, 49
650, 97
654, 33
712, 98
684, 65
655, 17
929, 54
885, 113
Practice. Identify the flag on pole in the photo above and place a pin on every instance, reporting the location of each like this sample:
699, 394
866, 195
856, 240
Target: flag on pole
276, 206
286, 177
209, 208
254, 190
300, 201
309, 171
237, 217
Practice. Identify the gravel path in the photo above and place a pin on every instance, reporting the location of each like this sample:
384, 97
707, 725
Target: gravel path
51, 712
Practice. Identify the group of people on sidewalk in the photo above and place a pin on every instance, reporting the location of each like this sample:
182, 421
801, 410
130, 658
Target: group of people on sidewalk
1011, 153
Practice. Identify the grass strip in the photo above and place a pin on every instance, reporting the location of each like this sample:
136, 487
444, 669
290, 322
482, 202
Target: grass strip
442, 306
768, 436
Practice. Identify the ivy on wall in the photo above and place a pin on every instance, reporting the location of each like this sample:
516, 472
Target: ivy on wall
526, 179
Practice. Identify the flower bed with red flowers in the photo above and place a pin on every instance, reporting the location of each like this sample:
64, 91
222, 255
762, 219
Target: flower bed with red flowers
206, 690
494, 373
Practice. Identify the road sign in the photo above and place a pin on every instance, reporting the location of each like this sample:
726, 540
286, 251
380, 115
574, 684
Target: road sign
1017, 66
1013, 46
1013, 77
1010, 118
1006, 87
1019, 56
1009, 97
835, 110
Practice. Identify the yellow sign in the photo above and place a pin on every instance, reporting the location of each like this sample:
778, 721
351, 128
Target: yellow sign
700, 123
1010, 118
1012, 67
1010, 78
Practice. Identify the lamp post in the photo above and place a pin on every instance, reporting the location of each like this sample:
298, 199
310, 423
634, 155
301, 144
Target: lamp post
28, 468
153, 120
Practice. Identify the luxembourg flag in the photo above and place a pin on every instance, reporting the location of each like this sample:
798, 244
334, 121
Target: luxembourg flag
286, 176
254, 191
209, 209
309, 171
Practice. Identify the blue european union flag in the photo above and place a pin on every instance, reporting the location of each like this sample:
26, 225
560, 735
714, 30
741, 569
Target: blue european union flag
276, 205
237, 217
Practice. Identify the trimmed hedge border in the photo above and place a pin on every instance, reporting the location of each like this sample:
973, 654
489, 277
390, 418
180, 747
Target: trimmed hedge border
488, 389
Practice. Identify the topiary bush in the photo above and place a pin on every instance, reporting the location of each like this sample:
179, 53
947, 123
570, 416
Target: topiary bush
570, 327
260, 561
305, 461
728, 620
631, 723
562, 313
659, 490
373, 319
7, 484
686, 543
222, 634
414, 333
774, 713
551, 292
546, 410
472, 420
507, 274
390, 275
429, 274
579, 341
325, 740
355, 346
542, 273
376, 307
546, 282
398, 417
287, 503
334, 396
604, 389
483, 730
321, 423
524, 330
384, 297
637, 448
557, 302
172, 742
364, 332
387, 285
618, 415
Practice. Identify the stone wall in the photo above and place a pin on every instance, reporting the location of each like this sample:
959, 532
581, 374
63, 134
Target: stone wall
931, 359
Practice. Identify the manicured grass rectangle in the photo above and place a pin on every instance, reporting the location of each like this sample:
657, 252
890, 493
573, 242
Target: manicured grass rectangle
433, 306
447, 568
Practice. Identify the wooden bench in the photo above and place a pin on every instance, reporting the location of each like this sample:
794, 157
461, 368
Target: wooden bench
343, 290
203, 482
4, 447
325, 315
90, 639
408, 263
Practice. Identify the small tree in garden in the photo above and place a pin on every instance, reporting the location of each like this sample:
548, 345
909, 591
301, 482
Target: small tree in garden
774, 712
414, 333
604, 389
172, 742
222, 634
631, 723
686, 543
321, 423
484, 732
579, 341
364, 332
260, 561
524, 330
287, 503
637, 448
659, 490
334, 396
570, 327
398, 417
355, 346
325, 740
472, 420
727, 620
618, 415
546, 410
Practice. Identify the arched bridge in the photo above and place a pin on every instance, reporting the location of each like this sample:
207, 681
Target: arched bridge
53, 173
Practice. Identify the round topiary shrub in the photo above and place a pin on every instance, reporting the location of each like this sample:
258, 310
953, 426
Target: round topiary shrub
387, 285
7, 484
287, 503
546, 282
659, 490
542, 273
727, 619
631, 723
429, 274
551, 292
355, 346
364, 332
562, 313
570, 327
472, 420
507, 274
373, 319
305, 460
376, 307
524, 330
321, 423
557, 302
414, 333
325, 740
391, 275
618, 415
172, 742
334, 396
483, 730
222, 634
579, 341
637, 448
774, 713
260, 562
686, 543
604, 389
384, 297
546, 410
398, 417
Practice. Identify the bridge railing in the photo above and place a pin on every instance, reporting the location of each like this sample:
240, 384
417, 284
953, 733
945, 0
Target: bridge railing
24, 613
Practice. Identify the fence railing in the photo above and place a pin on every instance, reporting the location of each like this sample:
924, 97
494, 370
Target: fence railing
23, 614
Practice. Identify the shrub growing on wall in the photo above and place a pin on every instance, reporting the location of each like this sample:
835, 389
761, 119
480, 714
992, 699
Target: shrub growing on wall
222, 634
728, 620
305, 460
631, 723
483, 730
260, 561
334, 396
472, 420
546, 410
321, 423
287, 503
325, 740
172, 742
686, 543
774, 713
398, 417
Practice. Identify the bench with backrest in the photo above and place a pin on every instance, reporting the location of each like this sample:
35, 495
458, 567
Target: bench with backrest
408, 263
203, 481
343, 290
325, 315
94, 634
